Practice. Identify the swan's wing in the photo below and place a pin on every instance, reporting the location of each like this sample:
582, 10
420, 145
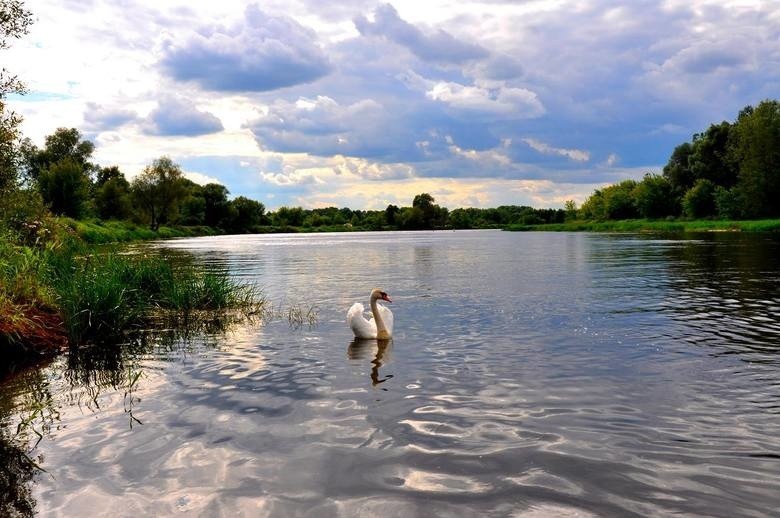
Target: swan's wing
362, 327
387, 317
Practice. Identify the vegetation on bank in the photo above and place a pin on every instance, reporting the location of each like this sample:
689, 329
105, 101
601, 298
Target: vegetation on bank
646, 225
64, 292
730, 171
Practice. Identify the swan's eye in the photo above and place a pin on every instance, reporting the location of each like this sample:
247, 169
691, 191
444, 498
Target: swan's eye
383, 294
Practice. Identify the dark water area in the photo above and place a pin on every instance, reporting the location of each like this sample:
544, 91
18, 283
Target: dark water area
530, 374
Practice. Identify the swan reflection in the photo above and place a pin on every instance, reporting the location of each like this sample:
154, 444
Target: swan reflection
360, 348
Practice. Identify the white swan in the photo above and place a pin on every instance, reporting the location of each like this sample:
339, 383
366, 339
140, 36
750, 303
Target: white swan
380, 326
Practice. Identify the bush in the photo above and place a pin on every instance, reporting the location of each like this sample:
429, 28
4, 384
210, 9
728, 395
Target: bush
699, 201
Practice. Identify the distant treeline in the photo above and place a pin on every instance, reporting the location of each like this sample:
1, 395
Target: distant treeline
730, 171
61, 178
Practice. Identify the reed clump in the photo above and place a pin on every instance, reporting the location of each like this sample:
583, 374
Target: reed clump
65, 292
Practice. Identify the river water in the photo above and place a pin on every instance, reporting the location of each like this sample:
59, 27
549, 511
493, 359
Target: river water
530, 374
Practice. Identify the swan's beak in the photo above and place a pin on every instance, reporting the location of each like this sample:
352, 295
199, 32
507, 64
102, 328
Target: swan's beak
386, 297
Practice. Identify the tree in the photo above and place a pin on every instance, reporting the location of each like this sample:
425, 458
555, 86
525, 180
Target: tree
709, 157
159, 190
65, 188
390, 214
699, 201
619, 201
63, 143
287, 216
104, 174
246, 214
754, 148
112, 198
15, 21
217, 208
653, 197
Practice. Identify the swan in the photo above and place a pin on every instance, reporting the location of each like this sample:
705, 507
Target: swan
380, 326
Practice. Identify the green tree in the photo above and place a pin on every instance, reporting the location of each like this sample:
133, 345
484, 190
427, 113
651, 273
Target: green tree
754, 148
64, 143
390, 214
158, 191
699, 201
728, 203
112, 198
104, 174
246, 214
594, 208
288, 216
15, 21
570, 206
709, 157
65, 188
217, 208
678, 170
619, 200
653, 197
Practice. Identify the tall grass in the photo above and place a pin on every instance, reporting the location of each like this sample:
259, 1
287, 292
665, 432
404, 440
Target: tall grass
103, 294
86, 294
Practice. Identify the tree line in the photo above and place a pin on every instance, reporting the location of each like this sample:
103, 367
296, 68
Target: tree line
729, 171
61, 177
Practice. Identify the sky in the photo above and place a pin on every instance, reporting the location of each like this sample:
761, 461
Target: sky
361, 104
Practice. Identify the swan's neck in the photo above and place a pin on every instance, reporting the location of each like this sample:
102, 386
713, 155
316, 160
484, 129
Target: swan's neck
381, 330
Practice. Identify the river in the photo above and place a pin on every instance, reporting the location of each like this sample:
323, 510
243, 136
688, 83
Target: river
530, 374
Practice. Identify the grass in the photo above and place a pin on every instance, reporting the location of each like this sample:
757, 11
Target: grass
68, 292
103, 294
102, 232
644, 225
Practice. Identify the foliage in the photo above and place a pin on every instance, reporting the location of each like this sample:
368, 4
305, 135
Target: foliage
755, 148
245, 214
654, 198
64, 186
731, 169
113, 199
699, 201
644, 225
15, 21
216, 207
65, 144
158, 191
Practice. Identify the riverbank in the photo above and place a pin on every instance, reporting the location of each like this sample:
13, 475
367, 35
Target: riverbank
645, 225
64, 292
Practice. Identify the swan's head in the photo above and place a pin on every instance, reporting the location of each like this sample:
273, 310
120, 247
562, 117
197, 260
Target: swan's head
377, 294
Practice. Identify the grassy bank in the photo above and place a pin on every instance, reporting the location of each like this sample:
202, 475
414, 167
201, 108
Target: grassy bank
645, 225
64, 292
102, 232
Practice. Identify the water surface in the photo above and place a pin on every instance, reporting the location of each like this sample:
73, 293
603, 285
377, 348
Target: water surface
530, 374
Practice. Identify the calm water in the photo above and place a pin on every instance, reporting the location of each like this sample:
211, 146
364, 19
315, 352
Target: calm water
531, 374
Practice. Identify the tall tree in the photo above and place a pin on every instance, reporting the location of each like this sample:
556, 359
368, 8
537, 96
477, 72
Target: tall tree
65, 188
158, 190
15, 21
217, 208
755, 149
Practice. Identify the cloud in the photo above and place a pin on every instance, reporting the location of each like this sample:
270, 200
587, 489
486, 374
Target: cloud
437, 46
572, 154
262, 52
321, 126
100, 118
180, 117
496, 100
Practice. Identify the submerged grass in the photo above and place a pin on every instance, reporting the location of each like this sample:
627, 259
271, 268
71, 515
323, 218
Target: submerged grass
645, 225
